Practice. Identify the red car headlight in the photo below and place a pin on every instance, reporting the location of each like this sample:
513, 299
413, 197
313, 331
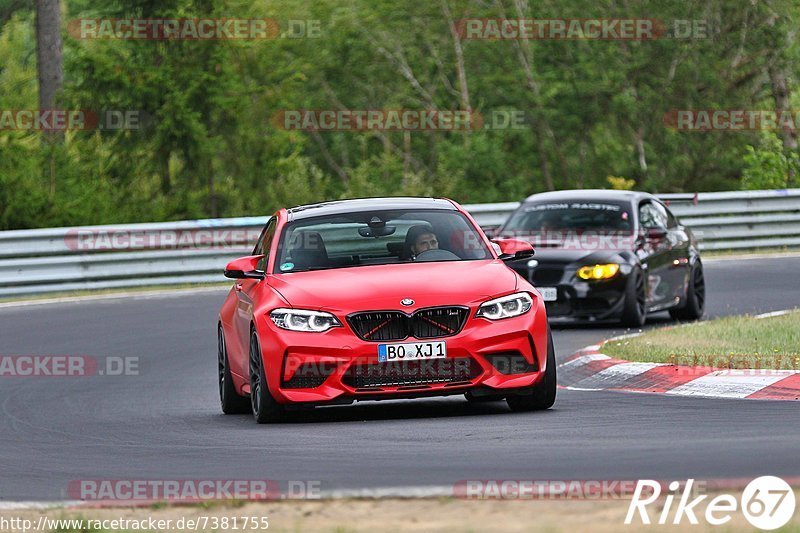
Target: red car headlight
304, 320
506, 306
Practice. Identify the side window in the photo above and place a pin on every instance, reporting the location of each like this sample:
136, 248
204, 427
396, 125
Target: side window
661, 214
672, 222
652, 217
264, 243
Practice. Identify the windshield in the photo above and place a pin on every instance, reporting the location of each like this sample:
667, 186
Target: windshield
378, 238
575, 216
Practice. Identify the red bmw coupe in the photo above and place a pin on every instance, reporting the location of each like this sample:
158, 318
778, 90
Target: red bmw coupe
380, 298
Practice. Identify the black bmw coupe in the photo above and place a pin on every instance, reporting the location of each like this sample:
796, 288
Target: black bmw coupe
608, 255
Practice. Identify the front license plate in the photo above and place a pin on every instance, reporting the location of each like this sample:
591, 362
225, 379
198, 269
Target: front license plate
409, 351
549, 294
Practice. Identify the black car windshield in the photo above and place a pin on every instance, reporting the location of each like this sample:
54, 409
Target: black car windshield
378, 238
577, 216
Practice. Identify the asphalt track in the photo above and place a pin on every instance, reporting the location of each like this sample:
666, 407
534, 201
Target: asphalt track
165, 423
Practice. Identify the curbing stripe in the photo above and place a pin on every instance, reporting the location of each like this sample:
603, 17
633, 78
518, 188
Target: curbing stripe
665, 377
379, 493
730, 383
43, 506
616, 376
774, 313
786, 389
589, 370
583, 359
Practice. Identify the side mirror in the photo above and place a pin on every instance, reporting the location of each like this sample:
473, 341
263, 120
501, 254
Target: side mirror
512, 249
244, 267
656, 233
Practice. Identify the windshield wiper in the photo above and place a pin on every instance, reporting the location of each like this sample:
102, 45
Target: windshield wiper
309, 269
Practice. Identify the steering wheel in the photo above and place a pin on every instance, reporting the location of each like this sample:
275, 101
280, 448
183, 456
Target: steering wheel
437, 255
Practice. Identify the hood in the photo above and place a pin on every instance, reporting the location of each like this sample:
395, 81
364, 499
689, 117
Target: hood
558, 257
572, 247
383, 286
561, 255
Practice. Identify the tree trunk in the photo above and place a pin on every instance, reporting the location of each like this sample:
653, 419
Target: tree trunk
463, 88
212, 192
782, 95
49, 55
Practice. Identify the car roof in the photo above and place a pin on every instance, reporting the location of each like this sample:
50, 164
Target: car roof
588, 194
355, 205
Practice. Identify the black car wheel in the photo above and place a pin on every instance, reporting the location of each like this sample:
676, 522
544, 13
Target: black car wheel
543, 395
634, 313
695, 296
229, 399
265, 408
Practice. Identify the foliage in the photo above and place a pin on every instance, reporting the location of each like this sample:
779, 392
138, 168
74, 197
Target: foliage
590, 111
769, 166
620, 184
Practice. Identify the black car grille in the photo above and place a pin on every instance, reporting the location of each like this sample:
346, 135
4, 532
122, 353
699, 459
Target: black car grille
546, 276
541, 275
429, 323
412, 374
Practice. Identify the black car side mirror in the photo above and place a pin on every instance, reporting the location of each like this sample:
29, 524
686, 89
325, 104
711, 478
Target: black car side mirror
656, 233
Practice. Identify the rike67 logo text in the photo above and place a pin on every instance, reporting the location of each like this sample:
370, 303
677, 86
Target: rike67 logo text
767, 502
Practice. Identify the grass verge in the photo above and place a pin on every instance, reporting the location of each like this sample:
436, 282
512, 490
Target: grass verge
728, 342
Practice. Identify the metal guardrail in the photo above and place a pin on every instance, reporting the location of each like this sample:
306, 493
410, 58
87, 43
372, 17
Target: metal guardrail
130, 255
741, 220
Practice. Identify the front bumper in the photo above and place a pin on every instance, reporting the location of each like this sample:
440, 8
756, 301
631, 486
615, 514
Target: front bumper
583, 300
579, 300
338, 367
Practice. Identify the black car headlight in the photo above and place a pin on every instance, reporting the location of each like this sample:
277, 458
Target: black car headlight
506, 306
598, 272
304, 320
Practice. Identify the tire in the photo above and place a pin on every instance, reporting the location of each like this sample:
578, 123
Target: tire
634, 312
695, 305
264, 407
543, 395
230, 400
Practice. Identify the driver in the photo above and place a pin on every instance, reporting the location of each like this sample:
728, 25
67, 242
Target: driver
420, 239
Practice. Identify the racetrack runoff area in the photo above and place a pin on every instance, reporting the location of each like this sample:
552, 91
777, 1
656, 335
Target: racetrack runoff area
429, 515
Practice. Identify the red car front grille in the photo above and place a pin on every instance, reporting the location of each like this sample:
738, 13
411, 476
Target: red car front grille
395, 325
